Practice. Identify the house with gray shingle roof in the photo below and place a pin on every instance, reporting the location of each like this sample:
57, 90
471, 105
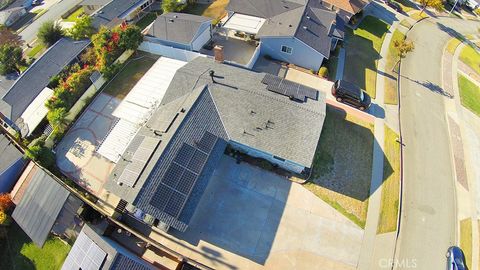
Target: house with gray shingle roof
301, 32
116, 12
180, 30
207, 107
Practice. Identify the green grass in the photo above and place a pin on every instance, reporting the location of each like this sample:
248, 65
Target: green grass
215, 10
129, 76
342, 166
18, 252
466, 240
363, 51
146, 20
452, 45
391, 94
40, 47
471, 57
469, 94
74, 16
391, 183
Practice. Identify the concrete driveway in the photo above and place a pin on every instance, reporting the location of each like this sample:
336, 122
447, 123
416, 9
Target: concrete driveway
249, 218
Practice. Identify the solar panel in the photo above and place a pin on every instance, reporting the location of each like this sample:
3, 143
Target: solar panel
207, 142
289, 88
184, 154
186, 182
173, 174
175, 204
85, 254
161, 196
197, 161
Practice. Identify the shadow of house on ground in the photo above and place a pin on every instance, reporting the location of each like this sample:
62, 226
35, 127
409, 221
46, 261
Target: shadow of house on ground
342, 170
239, 212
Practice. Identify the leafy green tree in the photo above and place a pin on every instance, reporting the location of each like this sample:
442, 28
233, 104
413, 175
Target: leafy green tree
42, 155
10, 58
49, 33
130, 38
82, 29
58, 118
172, 6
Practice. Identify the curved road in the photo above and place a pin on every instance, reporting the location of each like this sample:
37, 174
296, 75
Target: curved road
429, 214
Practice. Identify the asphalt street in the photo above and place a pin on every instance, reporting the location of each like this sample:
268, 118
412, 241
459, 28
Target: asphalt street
429, 214
54, 12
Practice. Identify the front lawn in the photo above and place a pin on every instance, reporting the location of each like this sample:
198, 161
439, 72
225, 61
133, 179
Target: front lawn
18, 252
131, 73
391, 183
471, 57
146, 20
466, 240
391, 94
406, 5
342, 166
75, 15
469, 94
215, 10
39, 48
363, 47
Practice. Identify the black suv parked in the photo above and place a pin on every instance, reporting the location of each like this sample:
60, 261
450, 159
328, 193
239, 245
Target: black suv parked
351, 94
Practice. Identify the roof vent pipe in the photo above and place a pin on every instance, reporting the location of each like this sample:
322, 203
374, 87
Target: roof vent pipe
212, 75
305, 28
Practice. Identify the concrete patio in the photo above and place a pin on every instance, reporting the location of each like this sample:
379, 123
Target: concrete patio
235, 49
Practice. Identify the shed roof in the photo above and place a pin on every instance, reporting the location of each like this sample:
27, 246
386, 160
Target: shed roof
37, 76
40, 205
177, 27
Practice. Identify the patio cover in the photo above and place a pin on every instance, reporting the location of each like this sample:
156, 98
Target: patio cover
40, 205
244, 23
36, 111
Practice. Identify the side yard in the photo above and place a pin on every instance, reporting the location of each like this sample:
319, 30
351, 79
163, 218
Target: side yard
469, 94
342, 168
391, 183
363, 47
18, 252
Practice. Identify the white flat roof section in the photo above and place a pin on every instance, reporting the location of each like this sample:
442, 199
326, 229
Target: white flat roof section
37, 110
244, 23
138, 106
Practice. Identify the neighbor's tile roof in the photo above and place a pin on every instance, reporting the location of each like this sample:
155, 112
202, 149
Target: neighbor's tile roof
38, 75
177, 27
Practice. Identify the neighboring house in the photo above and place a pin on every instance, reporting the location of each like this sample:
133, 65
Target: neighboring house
90, 6
181, 30
43, 206
117, 12
298, 32
24, 102
346, 8
9, 16
12, 164
94, 252
208, 106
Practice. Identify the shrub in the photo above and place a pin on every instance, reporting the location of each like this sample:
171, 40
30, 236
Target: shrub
323, 72
110, 71
49, 33
130, 38
42, 155
82, 29
57, 118
5, 202
3, 217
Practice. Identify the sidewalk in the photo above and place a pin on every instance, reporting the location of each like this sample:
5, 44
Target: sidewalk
378, 250
464, 128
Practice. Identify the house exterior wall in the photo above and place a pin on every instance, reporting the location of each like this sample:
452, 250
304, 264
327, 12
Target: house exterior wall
168, 43
302, 55
204, 34
286, 164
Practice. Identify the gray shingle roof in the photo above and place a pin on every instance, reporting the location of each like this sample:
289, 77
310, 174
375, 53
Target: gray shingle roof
10, 154
177, 27
37, 76
288, 19
40, 205
112, 13
94, 2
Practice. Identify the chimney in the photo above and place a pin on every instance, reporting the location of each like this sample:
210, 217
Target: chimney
218, 52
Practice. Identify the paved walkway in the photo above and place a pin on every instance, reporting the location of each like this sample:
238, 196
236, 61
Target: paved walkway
464, 128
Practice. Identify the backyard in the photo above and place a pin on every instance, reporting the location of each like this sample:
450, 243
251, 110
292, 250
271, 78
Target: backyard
391, 96
469, 94
391, 183
18, 252
215, 10
342, 166
362, 52
130, 74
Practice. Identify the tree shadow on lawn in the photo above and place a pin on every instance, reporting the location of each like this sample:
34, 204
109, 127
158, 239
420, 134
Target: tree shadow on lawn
342, 167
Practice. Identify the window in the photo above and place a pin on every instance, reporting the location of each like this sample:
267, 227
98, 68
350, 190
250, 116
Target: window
286, 49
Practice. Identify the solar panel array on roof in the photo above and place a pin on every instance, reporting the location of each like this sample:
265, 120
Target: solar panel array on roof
182, 174
289, 88
145, 146
85, 254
